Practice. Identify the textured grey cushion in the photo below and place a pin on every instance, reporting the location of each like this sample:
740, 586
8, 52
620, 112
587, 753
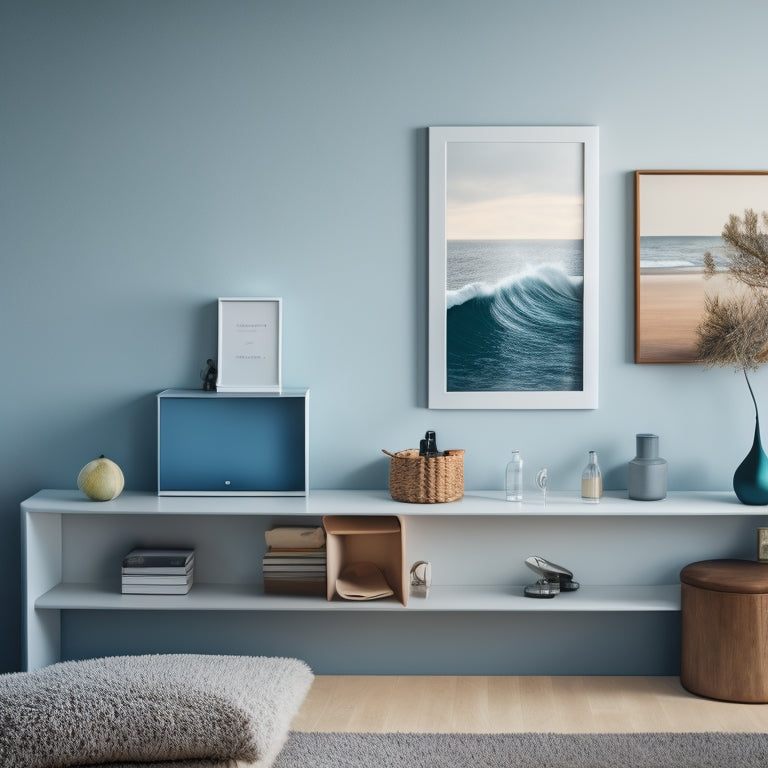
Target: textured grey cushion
207, 710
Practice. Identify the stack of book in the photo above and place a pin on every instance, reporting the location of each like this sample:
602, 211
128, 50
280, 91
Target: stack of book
295, 561
158, 571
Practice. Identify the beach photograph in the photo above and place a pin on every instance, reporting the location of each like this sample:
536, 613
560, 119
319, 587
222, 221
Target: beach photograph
680, 218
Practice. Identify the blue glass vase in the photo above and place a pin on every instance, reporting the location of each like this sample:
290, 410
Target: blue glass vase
750, 481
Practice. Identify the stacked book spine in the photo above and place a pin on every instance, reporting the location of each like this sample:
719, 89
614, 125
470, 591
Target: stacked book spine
158, 572
295, 561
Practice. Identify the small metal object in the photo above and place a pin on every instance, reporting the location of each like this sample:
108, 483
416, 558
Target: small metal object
541, 480
421, 578
542, 589
554, 578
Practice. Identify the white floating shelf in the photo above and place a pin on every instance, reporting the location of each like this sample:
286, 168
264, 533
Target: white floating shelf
319, 503
248, 597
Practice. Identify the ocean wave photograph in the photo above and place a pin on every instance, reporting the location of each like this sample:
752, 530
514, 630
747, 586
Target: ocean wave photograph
513, 267
522, 332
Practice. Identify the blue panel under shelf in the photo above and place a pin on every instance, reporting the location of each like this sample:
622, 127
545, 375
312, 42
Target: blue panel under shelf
223, 444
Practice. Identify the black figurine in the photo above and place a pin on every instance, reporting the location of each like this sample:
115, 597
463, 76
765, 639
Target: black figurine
209, 376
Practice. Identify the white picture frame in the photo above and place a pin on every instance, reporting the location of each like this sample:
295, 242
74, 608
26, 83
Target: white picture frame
513, 188
250, 345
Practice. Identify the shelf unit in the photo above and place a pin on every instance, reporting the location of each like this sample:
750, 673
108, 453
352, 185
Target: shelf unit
232, 443
71, 545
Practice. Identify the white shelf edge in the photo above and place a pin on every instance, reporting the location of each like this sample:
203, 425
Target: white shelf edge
378, 502
248, 597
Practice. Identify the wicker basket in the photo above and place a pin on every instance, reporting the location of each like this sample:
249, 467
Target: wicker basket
420, 480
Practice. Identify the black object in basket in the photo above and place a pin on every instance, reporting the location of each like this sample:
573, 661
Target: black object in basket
420, 479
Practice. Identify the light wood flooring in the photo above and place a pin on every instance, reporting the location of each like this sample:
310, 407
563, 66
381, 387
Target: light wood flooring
517, 704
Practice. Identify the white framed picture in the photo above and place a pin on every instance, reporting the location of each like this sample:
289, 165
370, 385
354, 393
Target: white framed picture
250, 345
513, 267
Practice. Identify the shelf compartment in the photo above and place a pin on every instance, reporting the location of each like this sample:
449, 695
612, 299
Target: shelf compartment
230, 444
380, 540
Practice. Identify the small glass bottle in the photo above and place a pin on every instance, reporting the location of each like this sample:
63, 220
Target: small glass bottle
591, 481
514, 482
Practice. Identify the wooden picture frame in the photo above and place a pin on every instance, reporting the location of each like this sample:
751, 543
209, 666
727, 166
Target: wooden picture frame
513, 267
679, 217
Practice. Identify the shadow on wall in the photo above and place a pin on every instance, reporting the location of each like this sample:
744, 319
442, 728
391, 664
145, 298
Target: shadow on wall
374, 474
125, 433
51, 455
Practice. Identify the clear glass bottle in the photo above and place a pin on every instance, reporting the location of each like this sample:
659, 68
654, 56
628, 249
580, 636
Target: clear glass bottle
591, 481
514, 481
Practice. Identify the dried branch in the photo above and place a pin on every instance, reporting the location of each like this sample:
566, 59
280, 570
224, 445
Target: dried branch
748, 252
734, 331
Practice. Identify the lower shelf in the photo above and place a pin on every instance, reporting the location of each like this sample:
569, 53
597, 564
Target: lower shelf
248, 597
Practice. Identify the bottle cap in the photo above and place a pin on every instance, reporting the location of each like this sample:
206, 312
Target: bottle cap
647, 446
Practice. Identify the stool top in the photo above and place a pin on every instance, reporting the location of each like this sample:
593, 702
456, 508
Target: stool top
743, 576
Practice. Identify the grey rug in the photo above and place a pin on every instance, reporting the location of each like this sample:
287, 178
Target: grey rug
509, 750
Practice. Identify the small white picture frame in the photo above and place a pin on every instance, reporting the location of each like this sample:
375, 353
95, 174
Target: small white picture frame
250, 345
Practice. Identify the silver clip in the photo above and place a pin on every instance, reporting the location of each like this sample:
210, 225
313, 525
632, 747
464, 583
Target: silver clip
421, 578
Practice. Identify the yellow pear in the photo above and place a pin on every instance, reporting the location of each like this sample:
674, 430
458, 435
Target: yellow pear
101, 479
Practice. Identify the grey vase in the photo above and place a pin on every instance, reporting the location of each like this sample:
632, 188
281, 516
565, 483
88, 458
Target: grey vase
647, 479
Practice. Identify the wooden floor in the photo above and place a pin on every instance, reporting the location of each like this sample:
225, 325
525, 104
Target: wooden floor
518, 704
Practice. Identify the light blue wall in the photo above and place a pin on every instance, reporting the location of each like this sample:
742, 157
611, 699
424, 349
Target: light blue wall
157, 155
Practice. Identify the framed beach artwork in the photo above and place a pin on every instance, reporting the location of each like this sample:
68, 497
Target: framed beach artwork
513, 267
680, 254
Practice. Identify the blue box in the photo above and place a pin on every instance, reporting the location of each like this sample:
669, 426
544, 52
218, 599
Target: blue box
232, 443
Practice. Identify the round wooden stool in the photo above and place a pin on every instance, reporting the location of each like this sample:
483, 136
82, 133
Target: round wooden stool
725, 630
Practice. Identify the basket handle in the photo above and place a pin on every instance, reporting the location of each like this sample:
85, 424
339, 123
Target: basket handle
384, 450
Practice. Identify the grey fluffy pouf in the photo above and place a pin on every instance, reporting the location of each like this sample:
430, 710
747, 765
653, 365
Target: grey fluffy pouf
208, 711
